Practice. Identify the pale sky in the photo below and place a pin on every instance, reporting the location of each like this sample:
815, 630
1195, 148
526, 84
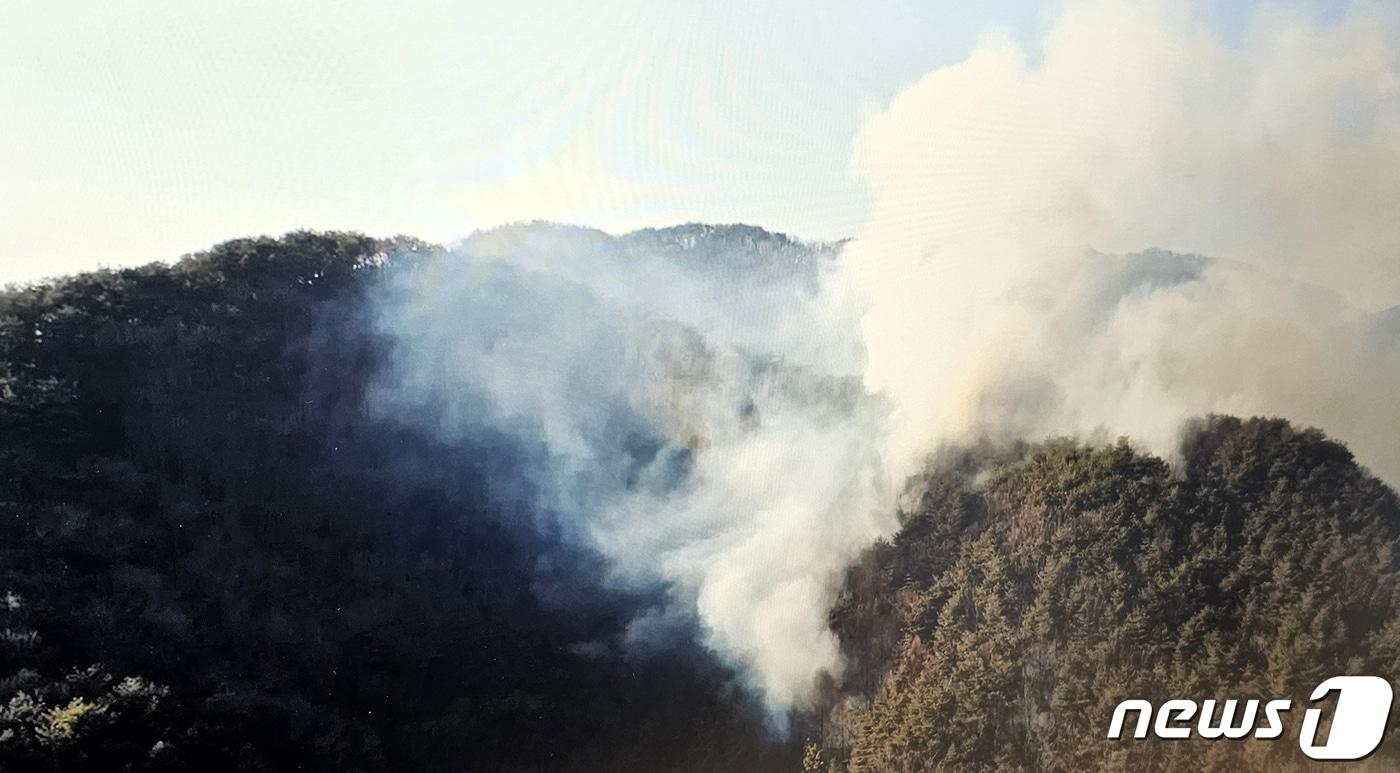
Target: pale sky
145, 129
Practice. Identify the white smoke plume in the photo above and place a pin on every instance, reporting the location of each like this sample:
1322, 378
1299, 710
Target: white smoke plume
1137, 126
732, 429
696, 399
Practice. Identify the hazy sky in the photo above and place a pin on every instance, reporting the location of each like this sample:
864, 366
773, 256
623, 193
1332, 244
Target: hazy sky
144, 129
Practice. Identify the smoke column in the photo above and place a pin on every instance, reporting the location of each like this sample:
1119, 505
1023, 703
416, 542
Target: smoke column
1135, 126
732, 431
694, 402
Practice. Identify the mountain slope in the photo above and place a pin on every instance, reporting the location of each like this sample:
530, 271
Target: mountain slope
216, 553
217, 557
1032, 590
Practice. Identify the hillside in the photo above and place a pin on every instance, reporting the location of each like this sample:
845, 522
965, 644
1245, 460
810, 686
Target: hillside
216, 556
223, 548
1032, 589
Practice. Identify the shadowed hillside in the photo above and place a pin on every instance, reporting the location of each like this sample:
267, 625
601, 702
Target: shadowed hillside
216, 558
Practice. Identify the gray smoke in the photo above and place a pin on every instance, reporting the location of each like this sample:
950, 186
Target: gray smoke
696, 396
725, 414
1140, 126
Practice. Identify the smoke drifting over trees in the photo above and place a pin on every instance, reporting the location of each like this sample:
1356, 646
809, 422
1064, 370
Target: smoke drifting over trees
240, 537
223, 551
983, 306
684, 498
697, 416
1135, 126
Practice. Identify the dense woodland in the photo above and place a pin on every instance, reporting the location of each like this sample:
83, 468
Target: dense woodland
1034, 588
214, 557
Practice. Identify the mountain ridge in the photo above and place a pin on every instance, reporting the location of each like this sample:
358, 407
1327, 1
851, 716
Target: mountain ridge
217, 556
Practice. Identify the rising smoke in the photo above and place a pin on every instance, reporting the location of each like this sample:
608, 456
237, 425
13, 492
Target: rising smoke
727, 415
1135, 126
696, 401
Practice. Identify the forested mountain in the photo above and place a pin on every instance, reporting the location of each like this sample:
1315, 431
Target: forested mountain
216, 555
1033, 588
214, 558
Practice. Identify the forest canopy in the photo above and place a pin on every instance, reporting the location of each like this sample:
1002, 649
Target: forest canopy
1033, 588
214, 555
215, 559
